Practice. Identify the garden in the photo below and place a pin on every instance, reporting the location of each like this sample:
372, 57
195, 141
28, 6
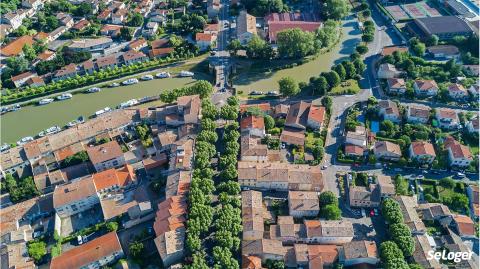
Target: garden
447, 192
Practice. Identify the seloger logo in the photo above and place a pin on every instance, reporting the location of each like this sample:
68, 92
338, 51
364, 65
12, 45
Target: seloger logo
450, 256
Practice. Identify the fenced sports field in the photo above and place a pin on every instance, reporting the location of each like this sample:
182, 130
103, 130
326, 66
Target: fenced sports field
416, 10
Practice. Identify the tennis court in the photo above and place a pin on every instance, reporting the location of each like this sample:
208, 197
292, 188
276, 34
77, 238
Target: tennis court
416, 10
397, 13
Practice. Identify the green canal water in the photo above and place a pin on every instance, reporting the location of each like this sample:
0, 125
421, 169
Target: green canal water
30, 120
251, 81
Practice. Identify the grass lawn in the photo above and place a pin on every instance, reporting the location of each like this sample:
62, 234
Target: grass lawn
309, 139
347, 87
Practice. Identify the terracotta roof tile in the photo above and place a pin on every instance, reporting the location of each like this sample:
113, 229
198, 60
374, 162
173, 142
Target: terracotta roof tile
88, 253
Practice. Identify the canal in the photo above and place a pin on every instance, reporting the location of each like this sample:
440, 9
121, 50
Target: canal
250, 81
30, 120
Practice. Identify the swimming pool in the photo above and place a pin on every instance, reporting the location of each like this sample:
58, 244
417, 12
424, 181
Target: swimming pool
374, 126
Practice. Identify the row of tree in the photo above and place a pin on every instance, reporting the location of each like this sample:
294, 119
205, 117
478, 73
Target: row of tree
202, 186
400, 233
228, 221
11, 96
227, 216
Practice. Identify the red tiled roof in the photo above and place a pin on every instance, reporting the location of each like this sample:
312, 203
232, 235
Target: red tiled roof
252, 121
137, 43
423, 148
396, 82
160, 52
22, 76
104, 152
88, 253
457, 88
81, 24
159, 43
316, 113
203, 37
353, 150
265, 107
15, 47
465, 225
45, 55
211, 27
458, 150
426, 84
112, 177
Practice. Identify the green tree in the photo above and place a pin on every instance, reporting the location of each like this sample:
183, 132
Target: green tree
340, 71
333, 79
319, 85
362, 49
229, 112
136, 20
328, 34
350, 70
39, 46
447, 183
327, 103
367, 37
125, 33
269, 122
328, 198
295, 43
259, 48
432, 41
112, 226
391, 211
401, 185
192, 23
273, 264
399, 229
37, 250
198, 261
419, 49
335, 9
406, 245
234, 46
51, 23
82, 10
29, 52
331, 212
136, 249
288, 86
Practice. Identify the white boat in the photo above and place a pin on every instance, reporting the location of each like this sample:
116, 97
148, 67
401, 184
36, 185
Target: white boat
130, 81
11, 108
162, 75
94, 89
147, 77
102, 111
4, 147
45, 101
113, 85
75, 122
24, 140
186, 74
64, 96
129, 103
49, 131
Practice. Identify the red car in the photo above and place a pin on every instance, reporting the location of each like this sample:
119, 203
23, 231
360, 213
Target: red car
372, 213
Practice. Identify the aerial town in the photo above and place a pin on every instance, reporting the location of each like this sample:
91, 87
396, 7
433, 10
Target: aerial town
228, 134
